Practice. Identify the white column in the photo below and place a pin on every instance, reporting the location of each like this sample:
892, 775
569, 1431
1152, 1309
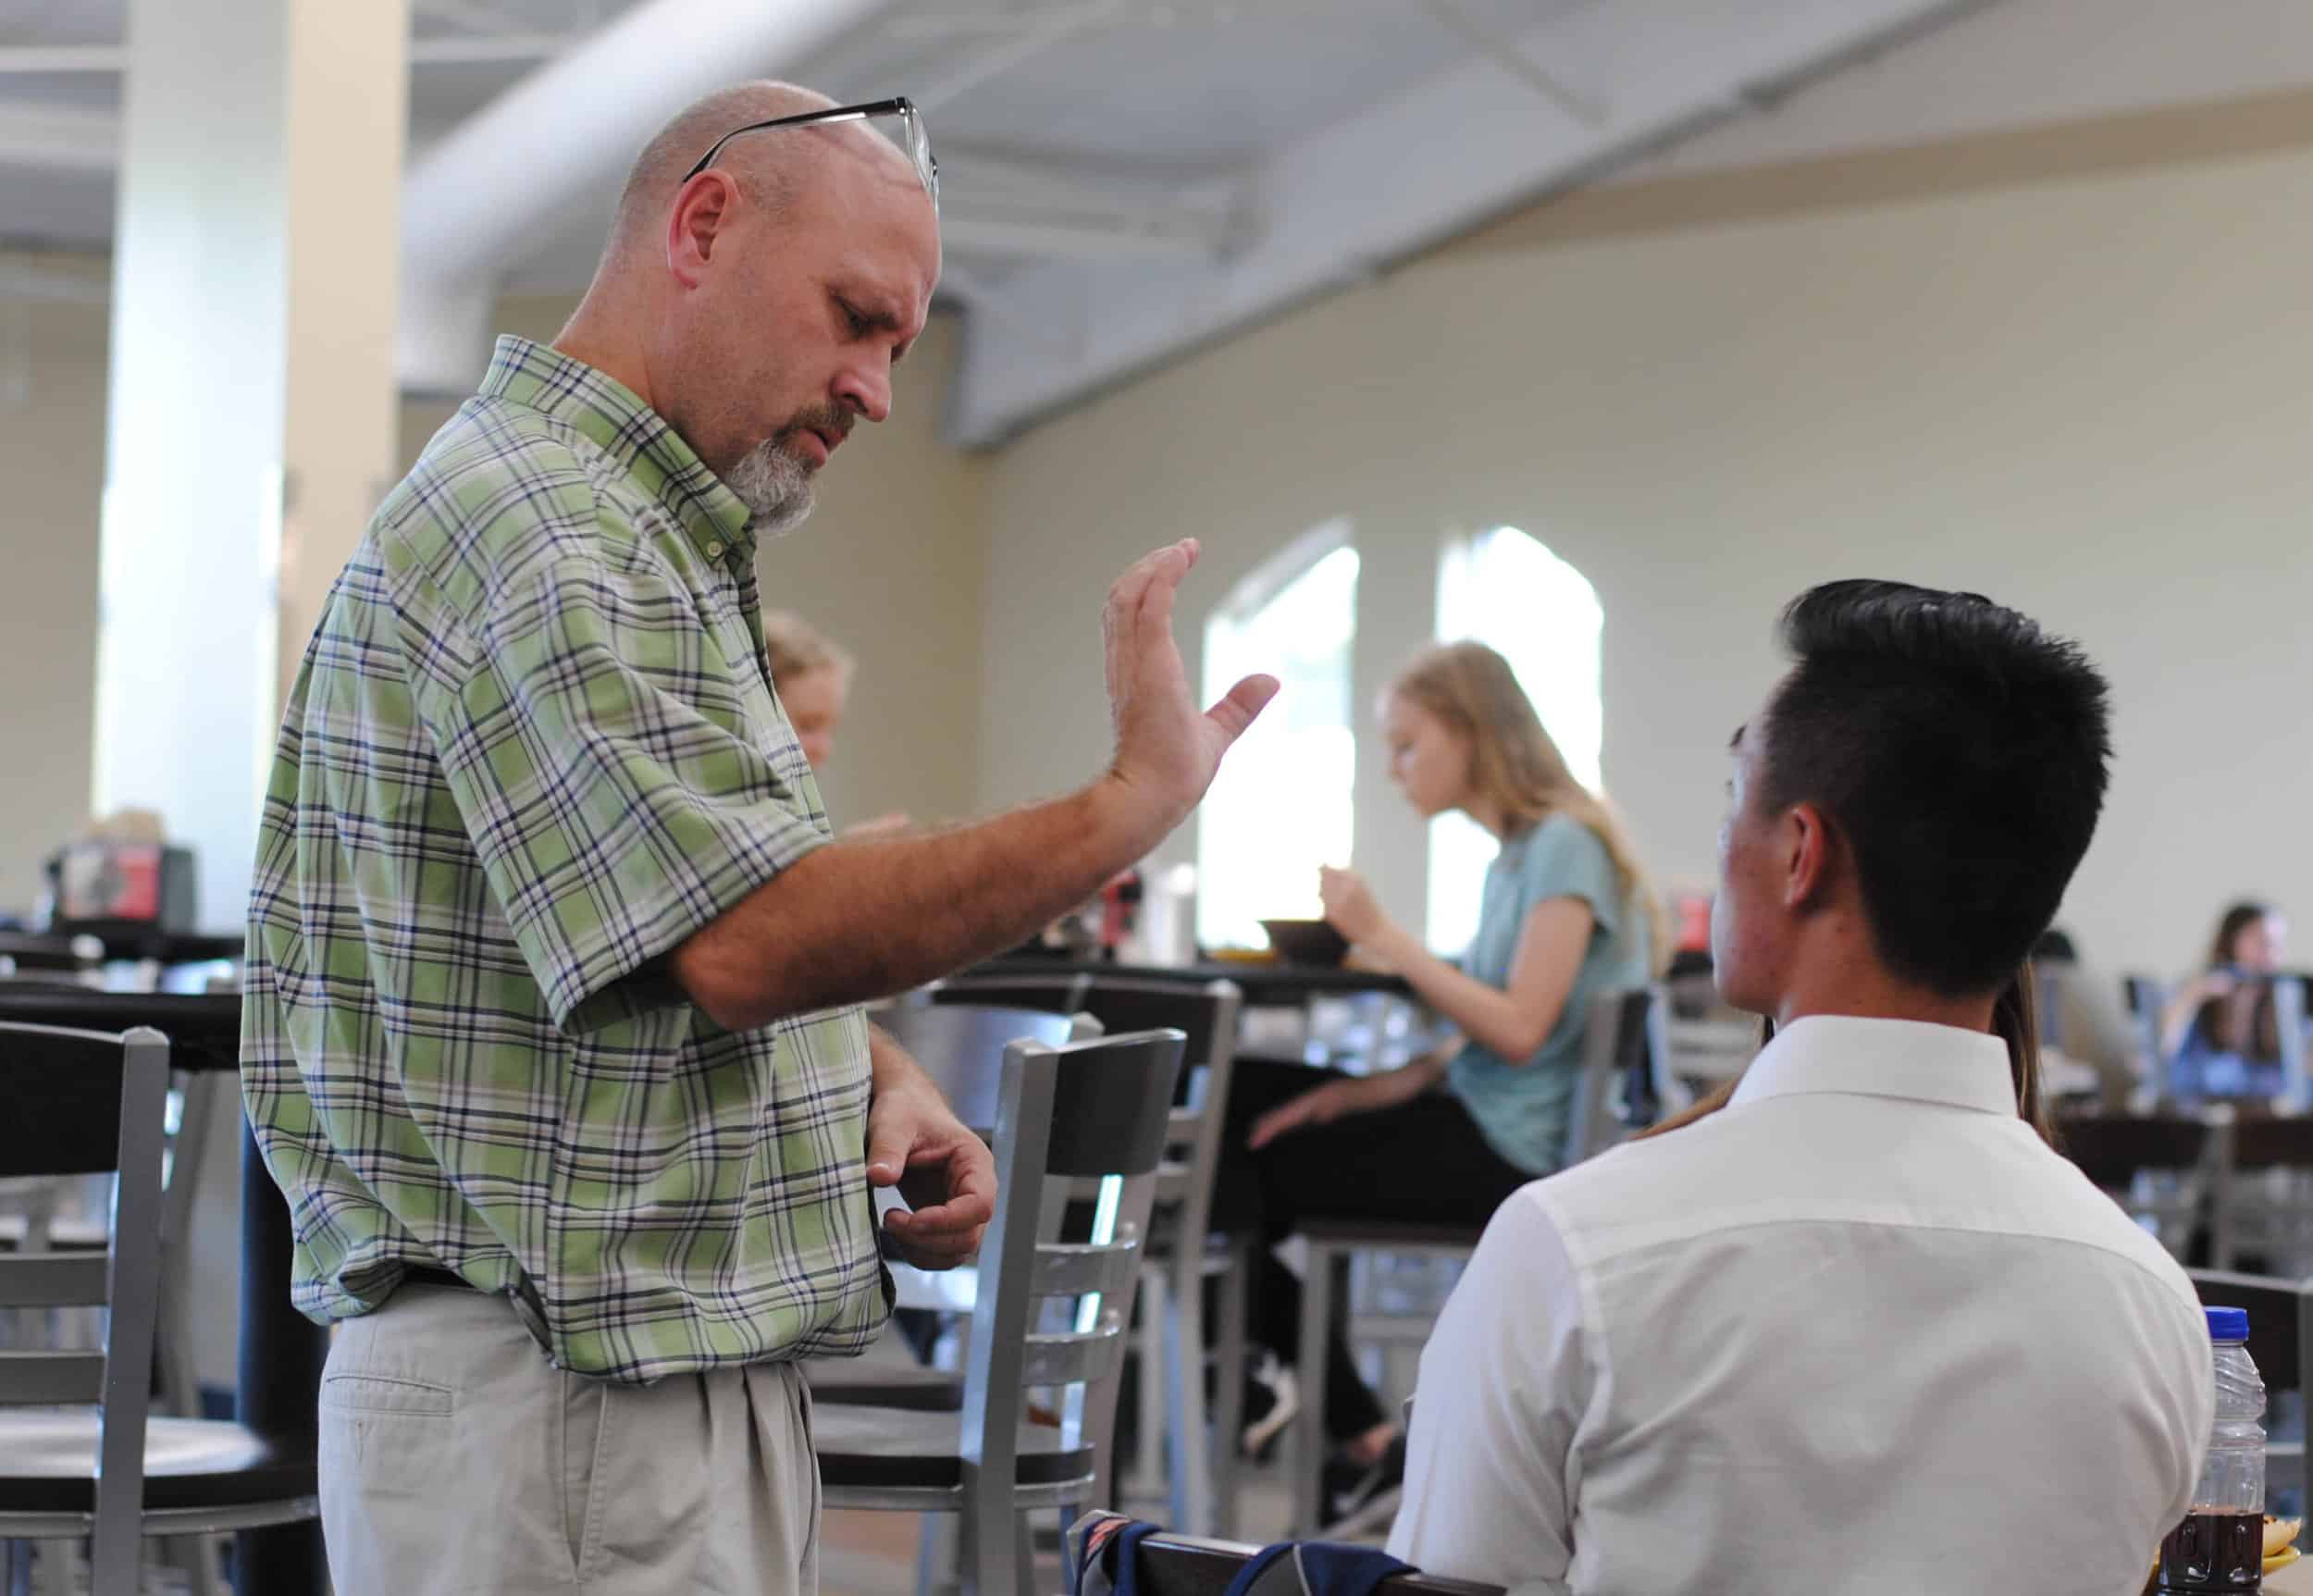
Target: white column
252, 320
253, 281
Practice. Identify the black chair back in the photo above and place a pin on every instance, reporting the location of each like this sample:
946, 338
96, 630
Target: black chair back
2111, 1151
1184, 1566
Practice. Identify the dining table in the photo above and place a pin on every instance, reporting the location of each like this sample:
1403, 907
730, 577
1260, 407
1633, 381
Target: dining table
1267, 984
277, 1381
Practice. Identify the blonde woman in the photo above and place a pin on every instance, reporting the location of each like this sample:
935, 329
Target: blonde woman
1564, 917
812, 677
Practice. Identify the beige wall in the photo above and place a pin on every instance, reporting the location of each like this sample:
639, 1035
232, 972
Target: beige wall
52, 460
2079, 385
890, 565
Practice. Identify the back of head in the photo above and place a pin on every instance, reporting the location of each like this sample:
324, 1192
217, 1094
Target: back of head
1961, 752
2225, 947
766, 168
793, 647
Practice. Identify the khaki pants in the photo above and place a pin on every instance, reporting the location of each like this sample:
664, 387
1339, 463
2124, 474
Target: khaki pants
454, 1459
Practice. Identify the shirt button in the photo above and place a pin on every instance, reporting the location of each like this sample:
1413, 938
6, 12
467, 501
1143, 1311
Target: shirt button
714, 550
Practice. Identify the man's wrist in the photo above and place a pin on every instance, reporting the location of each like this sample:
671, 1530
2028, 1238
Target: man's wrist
1127, 821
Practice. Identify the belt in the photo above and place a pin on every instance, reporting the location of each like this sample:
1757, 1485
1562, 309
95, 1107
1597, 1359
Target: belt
427, 1275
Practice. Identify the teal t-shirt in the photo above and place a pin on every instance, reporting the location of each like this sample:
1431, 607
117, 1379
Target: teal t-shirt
1523, 1107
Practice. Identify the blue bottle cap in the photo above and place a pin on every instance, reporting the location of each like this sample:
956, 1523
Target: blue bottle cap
2228, 1324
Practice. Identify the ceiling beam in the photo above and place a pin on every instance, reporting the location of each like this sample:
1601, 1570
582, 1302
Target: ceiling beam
1469, 144
29, 60
59, 138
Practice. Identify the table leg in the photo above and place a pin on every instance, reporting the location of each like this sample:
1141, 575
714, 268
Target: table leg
281, 1354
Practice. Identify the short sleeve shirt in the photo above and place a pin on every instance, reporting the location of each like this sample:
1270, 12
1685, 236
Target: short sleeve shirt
1523, 1106
530, 750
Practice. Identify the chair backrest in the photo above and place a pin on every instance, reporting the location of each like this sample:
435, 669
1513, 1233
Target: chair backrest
1206, 1014
1060, 992
1615, 1063
2111, 1150
2280, 1322
961, 1046
2280, 1340
2270, 1142
31, 950
84, 1103
1051, 1313
1170, 1565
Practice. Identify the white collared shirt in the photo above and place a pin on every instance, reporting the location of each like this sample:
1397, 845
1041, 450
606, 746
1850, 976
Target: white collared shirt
1861, 1331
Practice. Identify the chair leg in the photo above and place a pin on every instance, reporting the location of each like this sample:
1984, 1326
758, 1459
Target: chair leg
1024, 1553
1229, 1387
52, 1569
995, 1534
1308, 1427
1148, 1462
196, 1555
1188, 1445
938, 1555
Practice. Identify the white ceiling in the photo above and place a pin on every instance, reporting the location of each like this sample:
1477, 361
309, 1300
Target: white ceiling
1123, 180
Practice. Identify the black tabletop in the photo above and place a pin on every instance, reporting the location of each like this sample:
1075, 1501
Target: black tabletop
1266, 984
204, 1027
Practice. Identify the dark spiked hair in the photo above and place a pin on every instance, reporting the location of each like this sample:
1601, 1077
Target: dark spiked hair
1960, 751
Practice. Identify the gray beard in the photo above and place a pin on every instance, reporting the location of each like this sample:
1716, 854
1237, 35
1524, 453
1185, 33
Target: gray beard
774, 486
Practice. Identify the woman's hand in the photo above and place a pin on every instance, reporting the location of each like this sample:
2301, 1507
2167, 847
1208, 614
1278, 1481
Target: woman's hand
1338, 1099
1322, 1107
1349, 905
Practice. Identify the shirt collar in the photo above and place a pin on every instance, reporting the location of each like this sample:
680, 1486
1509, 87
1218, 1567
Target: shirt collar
1882, 1059
631, 433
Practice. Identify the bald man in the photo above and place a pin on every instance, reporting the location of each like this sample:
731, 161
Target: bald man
551, 1035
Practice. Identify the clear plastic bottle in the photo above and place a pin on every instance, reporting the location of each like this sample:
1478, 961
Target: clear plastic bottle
2221, 1545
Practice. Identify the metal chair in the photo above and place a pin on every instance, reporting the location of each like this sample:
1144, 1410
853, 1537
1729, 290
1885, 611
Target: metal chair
2281, 1342
2161, 1167
1624, 1028
86, 1459
1049, 1315
2262, 1201
1170, 1564
959, 1048
43, 1215
1199, 1458
1182, 1254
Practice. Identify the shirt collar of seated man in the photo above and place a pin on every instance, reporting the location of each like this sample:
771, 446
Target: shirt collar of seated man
1906, 808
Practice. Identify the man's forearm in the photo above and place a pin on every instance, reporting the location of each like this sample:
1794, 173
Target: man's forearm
859, 920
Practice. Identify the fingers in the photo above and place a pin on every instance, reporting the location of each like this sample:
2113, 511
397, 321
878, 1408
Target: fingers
942, 1251
950, 1232
1276, 1121
1164, 567
1244, 703
888, 1152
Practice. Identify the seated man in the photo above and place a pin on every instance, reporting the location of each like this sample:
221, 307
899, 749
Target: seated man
1856, 1326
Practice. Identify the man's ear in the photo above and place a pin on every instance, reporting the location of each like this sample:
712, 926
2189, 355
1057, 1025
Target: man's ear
702, 209
1808, 846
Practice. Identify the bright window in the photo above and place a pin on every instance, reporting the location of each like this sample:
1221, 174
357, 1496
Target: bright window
1505, 588
1281, 805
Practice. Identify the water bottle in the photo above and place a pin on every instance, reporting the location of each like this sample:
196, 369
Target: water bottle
2221, 1545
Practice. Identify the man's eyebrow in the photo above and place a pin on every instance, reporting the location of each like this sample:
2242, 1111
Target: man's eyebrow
1734, 743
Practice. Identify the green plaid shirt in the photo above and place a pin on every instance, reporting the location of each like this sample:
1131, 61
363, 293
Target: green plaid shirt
530, 750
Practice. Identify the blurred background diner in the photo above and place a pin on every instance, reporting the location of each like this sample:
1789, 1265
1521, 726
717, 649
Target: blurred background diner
1580, 335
